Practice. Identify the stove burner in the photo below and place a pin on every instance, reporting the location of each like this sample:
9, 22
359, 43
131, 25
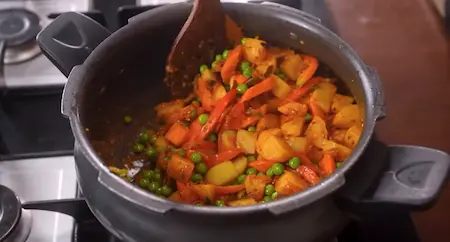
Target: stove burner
15, 222
18, 26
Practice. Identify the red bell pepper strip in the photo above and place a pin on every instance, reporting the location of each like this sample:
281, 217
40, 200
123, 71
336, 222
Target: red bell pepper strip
194, 131
251, 120
234, 118
307, 162
240, 79
262, 165
327, 164
316, 110
186, 194
232, 61
226, 155
214, 117
299, 92
258, 89
307, 73
226, 190
205, 94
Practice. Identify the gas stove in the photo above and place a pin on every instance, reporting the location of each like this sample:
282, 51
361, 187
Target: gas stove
37, 173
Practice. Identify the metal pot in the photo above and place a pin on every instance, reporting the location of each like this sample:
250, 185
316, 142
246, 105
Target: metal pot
112, 75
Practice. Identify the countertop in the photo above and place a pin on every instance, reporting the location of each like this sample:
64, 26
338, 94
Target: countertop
405, 41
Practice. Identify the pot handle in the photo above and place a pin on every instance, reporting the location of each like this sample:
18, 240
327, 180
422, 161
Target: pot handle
69, 39
411, 180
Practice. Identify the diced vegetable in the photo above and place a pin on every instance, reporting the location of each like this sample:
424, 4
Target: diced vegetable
206, 192
246, 140
292, 66
165, 110
187, 195
338, 135
218, 93
242, 202
300, 92
269, 121
225, 190
289, 183
262, 165
272, 147
347, 117
161, 143
258, 89
227, 140
352, 135
241, 164
255, 185
323, 95
293, 108
267, 67
340, 101
341, 151
316, 129
177, 134
180, 168
254, 50
293, 127
327, 164
308, 174
281, 89
175, 197
226, 155
222, 174
298, 144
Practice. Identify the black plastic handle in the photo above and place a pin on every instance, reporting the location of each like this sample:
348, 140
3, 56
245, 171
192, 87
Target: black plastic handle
77, 208
69, 40
411, 179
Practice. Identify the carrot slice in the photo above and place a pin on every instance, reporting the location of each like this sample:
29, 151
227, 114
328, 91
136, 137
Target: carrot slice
327, 164
231, 63
262, 165
307, 73
177, 134
240, 79
214, 118
316, 110
258, 89
307, 162
225, 190
186, 193
308, 174
299, 92
180, 168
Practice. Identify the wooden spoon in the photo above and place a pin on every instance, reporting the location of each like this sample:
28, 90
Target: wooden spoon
207, 32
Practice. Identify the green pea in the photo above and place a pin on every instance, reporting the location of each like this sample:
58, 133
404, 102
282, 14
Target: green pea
251, 158
251, 171
269, 172
267, 199
157, 170
127, 119
225, 54
196, 177
152, 152
278, 169
154, 186
245, 65
243, 40
166, 190
220, 203
138, 148
339, 164
196, 157
218, 57
212, 137
214, 64
167, 158
242, 88
261, 174
201, 168
144, 182
251, 128
144, 137
308, 117
274, 195
203, 118
203, 68
269, 189
282, 76
248, 73
148, 174
182, 152
241, 178
294, 162
196, 102
153, 139
157, 177
158, 191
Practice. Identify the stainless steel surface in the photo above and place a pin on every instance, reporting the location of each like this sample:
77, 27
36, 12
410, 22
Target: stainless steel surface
23, 229
43, 179
37, 71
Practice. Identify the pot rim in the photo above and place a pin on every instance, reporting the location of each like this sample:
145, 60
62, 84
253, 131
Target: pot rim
145, 199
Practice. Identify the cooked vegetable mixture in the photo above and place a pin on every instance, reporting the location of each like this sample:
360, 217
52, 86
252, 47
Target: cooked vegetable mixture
260, 125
